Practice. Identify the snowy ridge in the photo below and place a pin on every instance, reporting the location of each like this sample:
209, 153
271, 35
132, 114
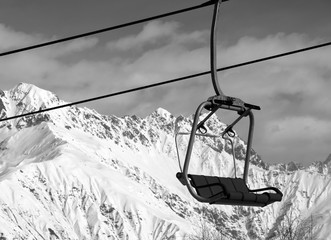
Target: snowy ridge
76, 174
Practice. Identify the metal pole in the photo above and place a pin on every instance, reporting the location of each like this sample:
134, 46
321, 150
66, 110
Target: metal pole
213, 49
249, 144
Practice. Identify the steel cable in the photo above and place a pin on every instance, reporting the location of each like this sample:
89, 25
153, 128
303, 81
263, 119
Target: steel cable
105, 29
169, 81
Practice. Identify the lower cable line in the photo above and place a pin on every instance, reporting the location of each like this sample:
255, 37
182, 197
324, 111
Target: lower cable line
106, 96
167, 82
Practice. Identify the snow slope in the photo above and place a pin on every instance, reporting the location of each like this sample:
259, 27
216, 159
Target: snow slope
76, 174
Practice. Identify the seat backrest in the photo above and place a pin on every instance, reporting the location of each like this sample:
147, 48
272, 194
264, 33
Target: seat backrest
227, 184
206, 186
240, 185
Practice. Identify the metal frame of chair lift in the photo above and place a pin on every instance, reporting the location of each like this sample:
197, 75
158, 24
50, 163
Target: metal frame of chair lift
185, 178
241, 195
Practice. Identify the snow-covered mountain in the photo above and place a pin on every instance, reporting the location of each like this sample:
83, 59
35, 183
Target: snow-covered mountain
73, 173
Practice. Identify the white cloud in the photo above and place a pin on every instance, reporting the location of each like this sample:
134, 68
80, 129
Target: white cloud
293, 92
71, 47
151, 33
36, 66
298, 129
10, 39
249, 48
300, 138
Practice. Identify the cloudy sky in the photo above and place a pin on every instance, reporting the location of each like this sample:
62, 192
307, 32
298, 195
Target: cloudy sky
293, 92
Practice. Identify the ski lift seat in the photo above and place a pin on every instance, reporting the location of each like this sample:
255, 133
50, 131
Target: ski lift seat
232, 191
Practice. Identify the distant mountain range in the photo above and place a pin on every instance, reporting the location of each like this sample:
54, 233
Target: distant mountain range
73, 173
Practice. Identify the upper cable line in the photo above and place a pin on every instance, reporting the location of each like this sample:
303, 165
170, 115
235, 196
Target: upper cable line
106, 29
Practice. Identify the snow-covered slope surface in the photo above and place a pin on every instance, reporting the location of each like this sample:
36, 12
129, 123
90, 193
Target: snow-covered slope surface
76, 174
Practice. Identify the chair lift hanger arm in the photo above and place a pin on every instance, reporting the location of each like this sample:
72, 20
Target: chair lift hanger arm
213, 48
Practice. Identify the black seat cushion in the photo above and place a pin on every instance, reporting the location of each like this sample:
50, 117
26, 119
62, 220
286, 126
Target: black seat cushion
240, 186
207, 186
233, 191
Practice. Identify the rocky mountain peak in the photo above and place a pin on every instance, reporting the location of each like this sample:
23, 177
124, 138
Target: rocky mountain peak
25, 94
163, 113
328, 160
